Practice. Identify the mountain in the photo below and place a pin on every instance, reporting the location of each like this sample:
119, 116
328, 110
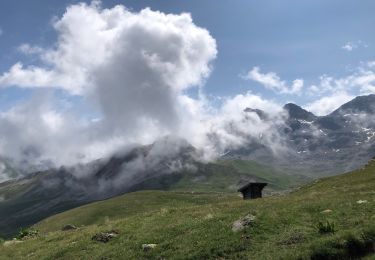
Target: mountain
168, 164
7, 172
309, 145
297, 113
261, 114
361, 104
318, 145
331, 218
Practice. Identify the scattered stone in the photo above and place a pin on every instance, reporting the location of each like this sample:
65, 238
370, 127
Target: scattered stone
68, 227
240, 224
104, 237
294, 237
148, 247
164, 211
245, 237
12, 242
362, 201
327, 211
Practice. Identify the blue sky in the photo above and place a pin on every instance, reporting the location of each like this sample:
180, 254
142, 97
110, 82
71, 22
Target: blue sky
294, 39
94, 78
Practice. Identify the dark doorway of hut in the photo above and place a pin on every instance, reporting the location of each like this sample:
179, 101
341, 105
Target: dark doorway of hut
252, 190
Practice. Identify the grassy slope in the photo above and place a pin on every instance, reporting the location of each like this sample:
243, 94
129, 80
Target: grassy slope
276, 180
224, 176
28, 202
198, 226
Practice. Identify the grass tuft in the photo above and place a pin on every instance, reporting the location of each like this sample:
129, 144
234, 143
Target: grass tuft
326, 228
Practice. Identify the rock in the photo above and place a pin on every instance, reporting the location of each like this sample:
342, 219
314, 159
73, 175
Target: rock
12, 242
327, 211
148, 247
362, 201
104, 237
68, 227
240, 224
209, 216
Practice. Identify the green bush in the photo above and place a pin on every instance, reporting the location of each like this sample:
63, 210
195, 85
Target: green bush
355, 246
346, 246
26, 233
368, 238
327, 252
326, 228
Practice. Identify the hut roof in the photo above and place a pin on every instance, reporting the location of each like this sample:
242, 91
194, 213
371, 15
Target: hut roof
259, 184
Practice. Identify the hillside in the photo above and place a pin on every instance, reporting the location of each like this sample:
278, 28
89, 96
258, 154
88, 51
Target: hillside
199, 225
37, 196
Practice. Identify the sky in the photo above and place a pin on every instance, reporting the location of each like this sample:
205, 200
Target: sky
114, 71
293, 40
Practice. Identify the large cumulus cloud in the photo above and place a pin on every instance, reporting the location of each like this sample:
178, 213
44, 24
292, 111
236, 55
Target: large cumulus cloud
134, 69
132, 64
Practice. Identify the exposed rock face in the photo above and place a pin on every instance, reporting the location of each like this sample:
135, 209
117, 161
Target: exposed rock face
296, 112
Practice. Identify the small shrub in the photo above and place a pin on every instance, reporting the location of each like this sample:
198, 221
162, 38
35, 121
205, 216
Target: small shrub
326, 228
368, 238
348, 246
25, 233
327, 252
355, 246
328, 249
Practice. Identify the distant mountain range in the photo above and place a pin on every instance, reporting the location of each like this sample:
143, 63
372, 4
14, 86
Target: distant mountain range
319, 145
176, 167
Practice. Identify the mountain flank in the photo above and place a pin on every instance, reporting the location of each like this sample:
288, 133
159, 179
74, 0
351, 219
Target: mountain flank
331, 218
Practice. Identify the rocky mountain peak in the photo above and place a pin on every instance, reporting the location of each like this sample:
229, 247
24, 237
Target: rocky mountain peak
261, 114
296, 112
360, 104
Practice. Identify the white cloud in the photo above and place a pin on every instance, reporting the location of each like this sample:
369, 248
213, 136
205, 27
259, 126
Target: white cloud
239, 102
328, 104
29, 49
371, 64
132, 66
273, 82
230, 127
350, 46
91, 39
361, 82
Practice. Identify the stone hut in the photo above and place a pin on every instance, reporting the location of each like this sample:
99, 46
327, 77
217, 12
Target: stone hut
252, 190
